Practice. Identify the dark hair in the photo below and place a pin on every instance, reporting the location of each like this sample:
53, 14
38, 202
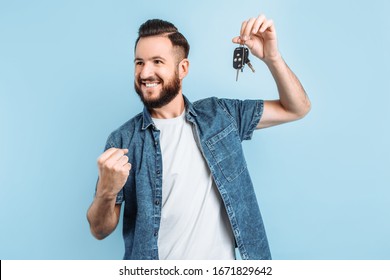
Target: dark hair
155, 27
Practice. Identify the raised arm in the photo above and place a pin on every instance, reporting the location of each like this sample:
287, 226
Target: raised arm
103, 214
259, 35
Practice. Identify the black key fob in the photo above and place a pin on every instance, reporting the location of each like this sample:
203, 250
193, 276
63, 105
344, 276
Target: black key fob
240, 55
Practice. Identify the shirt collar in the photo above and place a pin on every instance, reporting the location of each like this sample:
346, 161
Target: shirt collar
147, 118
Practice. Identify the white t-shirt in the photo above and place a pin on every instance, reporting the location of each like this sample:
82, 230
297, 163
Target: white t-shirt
194, 223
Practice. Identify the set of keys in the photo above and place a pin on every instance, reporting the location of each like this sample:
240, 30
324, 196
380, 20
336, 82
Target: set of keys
240, 58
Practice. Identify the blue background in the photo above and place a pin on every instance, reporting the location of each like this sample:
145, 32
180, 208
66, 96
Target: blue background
66, 81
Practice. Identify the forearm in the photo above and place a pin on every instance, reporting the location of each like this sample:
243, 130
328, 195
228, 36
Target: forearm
292, 95
102, 216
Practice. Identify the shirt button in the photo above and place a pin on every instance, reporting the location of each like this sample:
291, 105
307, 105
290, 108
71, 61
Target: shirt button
155, 233
158, 171
157, 202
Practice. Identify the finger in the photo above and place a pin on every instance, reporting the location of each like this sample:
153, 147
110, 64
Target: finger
122, 161
256, 26
267, 25
236, 40
127, 166
245, 35
125, 169
243, 26
104, 156
117, 155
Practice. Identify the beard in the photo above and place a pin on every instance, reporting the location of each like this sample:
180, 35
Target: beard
168, 92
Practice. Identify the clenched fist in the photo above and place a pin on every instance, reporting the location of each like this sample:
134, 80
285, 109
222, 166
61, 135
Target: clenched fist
114, 168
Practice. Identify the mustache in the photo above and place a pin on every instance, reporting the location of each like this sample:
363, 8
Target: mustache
149, 79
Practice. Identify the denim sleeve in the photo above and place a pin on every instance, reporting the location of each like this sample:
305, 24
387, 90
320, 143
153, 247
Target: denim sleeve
109, 144
246, 113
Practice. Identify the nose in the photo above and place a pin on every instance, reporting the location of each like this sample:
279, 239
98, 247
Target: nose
146, 71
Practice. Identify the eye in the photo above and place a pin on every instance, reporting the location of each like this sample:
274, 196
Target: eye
139, 63
157, 61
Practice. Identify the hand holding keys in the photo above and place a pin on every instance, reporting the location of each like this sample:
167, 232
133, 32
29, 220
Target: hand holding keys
240, 58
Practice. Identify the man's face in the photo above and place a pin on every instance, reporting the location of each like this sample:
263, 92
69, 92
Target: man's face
156, 71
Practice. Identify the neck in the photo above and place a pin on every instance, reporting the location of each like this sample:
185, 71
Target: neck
172, 110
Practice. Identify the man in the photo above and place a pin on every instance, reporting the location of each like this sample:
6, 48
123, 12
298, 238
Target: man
179, 166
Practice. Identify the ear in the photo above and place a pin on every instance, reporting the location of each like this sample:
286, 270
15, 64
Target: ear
184, 66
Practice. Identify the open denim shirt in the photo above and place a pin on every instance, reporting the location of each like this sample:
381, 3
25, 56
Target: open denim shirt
220, 125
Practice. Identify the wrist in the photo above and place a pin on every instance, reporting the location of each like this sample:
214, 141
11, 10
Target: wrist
274, 60
104, 192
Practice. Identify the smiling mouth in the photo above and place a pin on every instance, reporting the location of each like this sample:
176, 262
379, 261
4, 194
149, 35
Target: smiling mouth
150, 85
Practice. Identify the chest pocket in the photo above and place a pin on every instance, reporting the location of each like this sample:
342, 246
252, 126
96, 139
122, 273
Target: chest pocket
227, 151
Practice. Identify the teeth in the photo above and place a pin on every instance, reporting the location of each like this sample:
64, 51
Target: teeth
151, 85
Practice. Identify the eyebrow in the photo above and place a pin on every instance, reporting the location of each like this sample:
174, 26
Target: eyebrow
153, 58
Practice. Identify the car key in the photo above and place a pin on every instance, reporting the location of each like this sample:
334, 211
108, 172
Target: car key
247, 61
240, 58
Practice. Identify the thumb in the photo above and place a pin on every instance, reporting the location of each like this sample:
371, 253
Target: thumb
236, 40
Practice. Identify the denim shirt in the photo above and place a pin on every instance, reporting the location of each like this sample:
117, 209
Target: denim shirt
220, 125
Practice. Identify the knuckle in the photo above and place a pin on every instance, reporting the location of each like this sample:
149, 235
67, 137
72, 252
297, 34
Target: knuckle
117, 169
100, 161
127, 167
107, 167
